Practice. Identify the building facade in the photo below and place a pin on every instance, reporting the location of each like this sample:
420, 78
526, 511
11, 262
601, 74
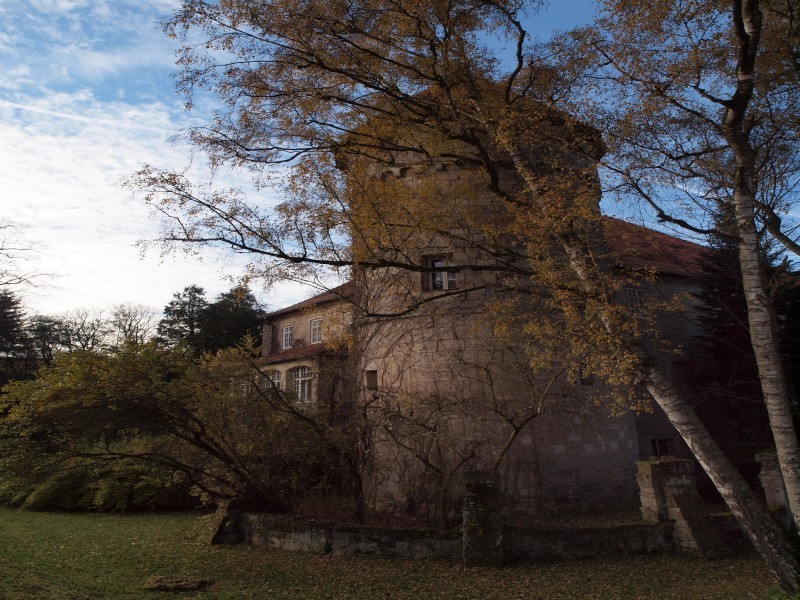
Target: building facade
445, 392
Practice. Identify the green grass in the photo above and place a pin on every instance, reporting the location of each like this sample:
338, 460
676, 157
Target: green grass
62, 556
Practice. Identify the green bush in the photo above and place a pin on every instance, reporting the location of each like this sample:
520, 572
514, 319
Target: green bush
63, 490
81, 484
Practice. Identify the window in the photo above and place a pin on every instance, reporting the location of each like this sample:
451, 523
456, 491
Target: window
288, 336
637, 298
661, 447
241, 385
372, 380
275, 378
316, 331
439, 280
301, 384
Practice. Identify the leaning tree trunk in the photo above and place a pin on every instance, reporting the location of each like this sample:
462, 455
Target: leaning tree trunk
760, 309
750, 512
752, 515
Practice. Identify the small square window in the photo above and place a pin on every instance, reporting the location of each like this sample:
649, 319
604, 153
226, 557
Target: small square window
439, 280
288, 336
316, 331
661, 447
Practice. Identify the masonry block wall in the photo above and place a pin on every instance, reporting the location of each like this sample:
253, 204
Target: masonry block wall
572, 456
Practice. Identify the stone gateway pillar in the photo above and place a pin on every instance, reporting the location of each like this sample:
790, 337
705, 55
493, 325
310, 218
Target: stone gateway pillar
483, 519
668, 493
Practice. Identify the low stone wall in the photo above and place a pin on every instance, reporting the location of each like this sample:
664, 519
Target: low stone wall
674, 518
288, 533
519, 543
483, 537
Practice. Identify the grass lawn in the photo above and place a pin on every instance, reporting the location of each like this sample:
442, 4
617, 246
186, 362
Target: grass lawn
62, 556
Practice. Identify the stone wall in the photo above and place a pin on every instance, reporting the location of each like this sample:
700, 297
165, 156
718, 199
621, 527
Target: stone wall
483, 520
774, 489
518, 543
443, 366
296, 534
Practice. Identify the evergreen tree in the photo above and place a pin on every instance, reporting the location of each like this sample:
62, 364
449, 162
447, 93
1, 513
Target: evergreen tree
182, 318
230, 318
13, 341
731, 402
208, 327
45, 337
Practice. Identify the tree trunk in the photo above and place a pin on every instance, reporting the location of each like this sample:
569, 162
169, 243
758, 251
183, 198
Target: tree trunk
760, 309
752, 515
764, 339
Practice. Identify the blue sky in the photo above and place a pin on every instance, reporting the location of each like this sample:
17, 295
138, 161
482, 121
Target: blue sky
86, 98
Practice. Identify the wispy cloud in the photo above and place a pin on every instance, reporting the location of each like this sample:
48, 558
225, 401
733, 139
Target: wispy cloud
75, 42
85, 101
132, 119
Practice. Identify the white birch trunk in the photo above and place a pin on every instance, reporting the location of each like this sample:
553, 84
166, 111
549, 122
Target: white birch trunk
760, 309
753, 516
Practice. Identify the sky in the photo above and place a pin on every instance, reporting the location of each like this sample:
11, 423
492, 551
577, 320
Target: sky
86, 99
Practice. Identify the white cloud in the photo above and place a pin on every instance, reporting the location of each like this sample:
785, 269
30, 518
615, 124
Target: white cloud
86, 102
62, 161
78, 42
15, 78
52, 6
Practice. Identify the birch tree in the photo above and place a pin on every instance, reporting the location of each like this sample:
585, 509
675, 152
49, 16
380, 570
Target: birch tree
344, 92
700, 112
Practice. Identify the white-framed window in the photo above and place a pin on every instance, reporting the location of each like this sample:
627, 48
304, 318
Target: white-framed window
301, 383
316, 331
275, 378
637, 298
440, 280
241, 385
288, 336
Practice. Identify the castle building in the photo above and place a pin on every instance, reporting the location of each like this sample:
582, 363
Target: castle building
445, 393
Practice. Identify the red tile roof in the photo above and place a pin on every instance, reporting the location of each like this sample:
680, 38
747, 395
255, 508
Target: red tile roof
341, 292
638, 247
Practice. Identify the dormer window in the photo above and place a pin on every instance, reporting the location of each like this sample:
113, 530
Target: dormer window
288, 336
316, 331
439, 280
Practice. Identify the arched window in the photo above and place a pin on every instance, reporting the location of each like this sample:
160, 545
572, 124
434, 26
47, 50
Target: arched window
301, 383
